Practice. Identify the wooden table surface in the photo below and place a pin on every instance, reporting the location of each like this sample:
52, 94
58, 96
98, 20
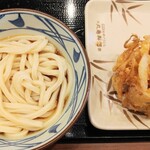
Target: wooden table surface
103, 146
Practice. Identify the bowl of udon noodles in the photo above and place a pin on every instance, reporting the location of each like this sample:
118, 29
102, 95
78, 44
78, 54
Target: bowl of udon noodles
44, 79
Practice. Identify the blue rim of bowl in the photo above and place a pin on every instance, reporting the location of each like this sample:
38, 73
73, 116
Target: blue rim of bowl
86, 59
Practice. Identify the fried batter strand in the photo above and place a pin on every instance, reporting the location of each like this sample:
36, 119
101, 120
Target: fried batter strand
131, 78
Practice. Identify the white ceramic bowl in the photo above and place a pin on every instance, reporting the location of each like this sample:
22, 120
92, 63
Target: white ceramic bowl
18, 21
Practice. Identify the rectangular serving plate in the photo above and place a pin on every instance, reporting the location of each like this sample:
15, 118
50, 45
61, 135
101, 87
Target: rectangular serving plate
108, 24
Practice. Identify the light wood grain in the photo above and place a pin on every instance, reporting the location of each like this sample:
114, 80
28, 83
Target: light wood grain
102, 146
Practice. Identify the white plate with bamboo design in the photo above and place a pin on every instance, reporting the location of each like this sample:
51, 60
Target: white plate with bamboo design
108, 24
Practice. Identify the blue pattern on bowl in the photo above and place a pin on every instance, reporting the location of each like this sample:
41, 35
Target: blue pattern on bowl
31, 21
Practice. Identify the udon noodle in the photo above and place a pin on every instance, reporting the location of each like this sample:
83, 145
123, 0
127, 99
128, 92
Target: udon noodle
35, 83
